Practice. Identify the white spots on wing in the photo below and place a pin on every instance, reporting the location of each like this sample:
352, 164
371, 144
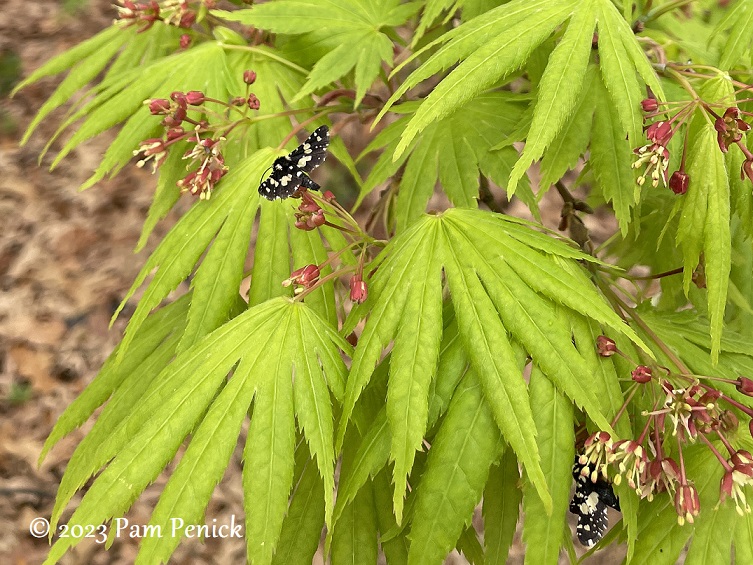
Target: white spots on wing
303, 160
278, 167
592, 500
286, 179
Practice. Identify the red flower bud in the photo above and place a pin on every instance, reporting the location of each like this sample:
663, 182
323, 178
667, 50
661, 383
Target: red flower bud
605, 346
745, 385
253, 102
305, 276
249, 76
679, 182
660, 133
358, 289
687, 503
175, 133
185, 41
187, 19
195, 97
178, 97
159, 106
641, 374
328, 196
747, 170
649, 105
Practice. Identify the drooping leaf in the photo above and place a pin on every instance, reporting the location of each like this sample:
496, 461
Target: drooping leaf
618, 70
611, 159
464, 449
553, 415
502, 496
560, 87
491, 50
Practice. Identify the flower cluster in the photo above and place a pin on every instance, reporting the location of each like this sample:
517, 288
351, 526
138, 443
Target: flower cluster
310, 215
177, 13
205, 154
655, 155
211, 167
730, 129
683, 415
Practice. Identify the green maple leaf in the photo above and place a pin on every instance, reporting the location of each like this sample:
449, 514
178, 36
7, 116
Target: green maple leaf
503, 297
339, 24
266, 347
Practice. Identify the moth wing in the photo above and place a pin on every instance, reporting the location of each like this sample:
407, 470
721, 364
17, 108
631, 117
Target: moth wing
283, 181
312, 152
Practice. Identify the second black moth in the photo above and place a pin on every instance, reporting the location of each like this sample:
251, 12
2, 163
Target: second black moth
289, 172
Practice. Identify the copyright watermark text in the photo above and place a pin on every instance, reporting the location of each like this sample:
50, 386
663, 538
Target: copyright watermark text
122, 528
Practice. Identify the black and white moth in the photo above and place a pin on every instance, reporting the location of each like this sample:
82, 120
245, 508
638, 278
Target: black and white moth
289, 172
589, 504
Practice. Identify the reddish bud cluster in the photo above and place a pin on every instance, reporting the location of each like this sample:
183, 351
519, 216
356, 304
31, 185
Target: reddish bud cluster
253, 102
310, 215
649, 105
139, 13
185, 41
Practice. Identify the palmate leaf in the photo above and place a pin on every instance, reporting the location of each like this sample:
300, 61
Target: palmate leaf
504, 279
302, 527
452, 152
489, 50
179, 251
559, 88
151, 336
618, 71
341, 24
572, 141
373, 449
740, 23
267, 345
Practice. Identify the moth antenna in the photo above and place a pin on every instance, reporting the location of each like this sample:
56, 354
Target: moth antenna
264, 173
